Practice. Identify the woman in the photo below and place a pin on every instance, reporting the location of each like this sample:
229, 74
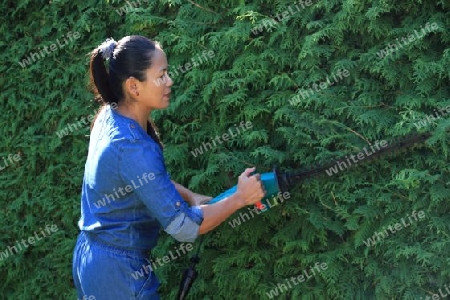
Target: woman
127, 193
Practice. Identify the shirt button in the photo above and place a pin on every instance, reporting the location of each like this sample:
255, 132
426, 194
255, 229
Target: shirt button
132, 126
178, 203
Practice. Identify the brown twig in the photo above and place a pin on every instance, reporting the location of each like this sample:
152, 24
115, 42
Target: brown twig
201, 7
358, 134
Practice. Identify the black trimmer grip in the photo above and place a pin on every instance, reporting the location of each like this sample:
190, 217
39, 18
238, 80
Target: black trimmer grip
189, 276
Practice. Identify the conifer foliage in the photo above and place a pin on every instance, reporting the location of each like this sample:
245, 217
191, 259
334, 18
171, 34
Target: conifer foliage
315, 79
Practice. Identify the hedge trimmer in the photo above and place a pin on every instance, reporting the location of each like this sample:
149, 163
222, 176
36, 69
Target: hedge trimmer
277, 181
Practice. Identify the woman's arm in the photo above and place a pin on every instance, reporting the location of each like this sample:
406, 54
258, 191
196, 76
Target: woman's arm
164, 202
249, 191
189, 196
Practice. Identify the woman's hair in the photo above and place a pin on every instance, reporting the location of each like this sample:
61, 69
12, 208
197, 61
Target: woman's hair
129, 57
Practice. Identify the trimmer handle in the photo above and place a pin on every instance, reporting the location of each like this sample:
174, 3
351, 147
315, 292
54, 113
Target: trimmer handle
270, 183
224, 195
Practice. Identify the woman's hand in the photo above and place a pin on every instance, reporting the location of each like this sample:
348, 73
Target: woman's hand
249, 191
189, 196
250, 188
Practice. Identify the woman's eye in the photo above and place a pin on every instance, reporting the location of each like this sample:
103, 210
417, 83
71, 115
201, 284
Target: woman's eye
164, 74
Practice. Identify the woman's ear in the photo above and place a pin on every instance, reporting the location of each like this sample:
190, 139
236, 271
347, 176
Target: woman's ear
132, 87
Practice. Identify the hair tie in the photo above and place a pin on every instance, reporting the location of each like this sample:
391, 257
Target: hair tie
107, 48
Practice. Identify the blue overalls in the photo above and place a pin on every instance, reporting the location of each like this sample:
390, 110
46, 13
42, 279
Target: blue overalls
126, 196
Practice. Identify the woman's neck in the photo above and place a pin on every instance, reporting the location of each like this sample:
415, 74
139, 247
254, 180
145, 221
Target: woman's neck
135, 112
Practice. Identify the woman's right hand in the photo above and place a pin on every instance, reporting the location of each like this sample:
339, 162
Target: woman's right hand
250, 189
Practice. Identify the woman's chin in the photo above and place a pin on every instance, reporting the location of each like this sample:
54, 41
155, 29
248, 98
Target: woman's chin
165, 103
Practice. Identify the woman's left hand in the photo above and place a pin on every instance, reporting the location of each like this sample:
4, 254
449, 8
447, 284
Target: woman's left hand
190, 197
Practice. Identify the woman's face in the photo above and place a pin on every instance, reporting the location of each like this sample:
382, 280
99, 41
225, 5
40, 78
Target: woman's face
154, 92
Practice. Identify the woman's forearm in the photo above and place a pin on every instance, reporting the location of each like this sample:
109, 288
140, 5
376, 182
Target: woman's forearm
213, 214
249, 191
216, 213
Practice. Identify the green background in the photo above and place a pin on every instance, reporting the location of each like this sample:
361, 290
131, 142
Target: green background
251, 77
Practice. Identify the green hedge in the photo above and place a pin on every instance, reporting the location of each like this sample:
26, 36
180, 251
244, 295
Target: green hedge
251, 61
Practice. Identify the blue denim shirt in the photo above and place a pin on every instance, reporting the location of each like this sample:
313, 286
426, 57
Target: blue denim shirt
127, 193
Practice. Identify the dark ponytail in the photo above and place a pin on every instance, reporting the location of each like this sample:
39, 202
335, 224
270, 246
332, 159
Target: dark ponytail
129, 57
100, 79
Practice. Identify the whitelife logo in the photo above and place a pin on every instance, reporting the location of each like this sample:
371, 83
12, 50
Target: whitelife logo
128, 189
71, 127
33, 57
31, 241
305, 276
86, 297
394, 228
225, 137
196, 62
433, 118
391, 48
245, 217
130, 6
146, 269
439, 296
290, 11
341, 165
306, 93
11, 158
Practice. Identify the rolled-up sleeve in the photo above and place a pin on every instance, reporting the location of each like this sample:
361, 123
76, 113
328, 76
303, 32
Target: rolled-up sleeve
141, 165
